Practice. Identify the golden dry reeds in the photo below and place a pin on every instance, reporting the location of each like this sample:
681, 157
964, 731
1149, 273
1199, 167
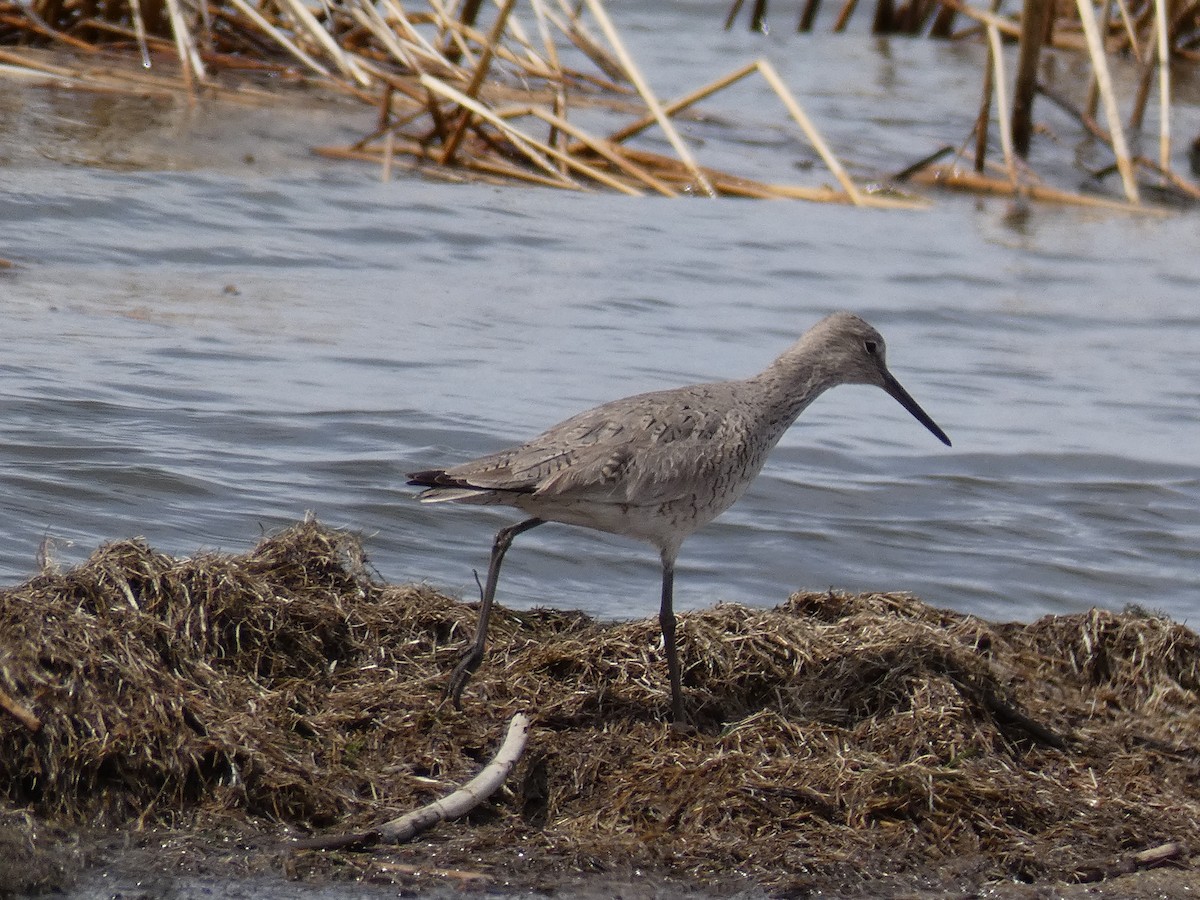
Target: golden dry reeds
541, 93
838, 736
1149, 32
491, 101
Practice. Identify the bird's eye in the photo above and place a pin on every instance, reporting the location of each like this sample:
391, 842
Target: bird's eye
872, 347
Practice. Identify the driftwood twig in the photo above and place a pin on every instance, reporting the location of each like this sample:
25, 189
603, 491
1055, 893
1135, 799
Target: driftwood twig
1098, 870
459, 803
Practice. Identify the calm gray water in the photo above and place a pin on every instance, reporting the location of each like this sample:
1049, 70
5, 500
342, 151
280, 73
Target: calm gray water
200, 347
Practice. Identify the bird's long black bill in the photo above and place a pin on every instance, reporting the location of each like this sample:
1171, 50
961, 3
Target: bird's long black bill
893, 387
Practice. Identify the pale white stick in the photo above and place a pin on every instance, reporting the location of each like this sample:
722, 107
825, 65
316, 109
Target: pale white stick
139, 29
1091, 32
814, 136
1164, 86
415, 37
1130, 30
282, 39
308, 22
1001, 85
368, 16
604, 149
635, 76
469, 796
189, 59
528, 145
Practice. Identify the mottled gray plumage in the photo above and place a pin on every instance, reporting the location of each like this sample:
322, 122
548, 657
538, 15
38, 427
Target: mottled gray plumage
658, 466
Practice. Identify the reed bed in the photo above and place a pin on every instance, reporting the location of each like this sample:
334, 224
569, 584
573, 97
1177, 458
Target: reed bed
543, 93
1151, 35
840, 739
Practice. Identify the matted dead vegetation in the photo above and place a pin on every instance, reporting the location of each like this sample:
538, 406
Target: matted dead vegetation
839, 737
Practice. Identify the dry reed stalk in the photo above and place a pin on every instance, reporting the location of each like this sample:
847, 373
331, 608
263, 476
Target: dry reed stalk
560, 89
528, 62
1164, 84
983, 17
389, 120
767, 70
420, 160
369, 17
569, 160
139, 28
447, 22
1168, 175
533, 149
421, 46
728, 185
827, 194
606, 149
1146, 71
476, 81
28, 62
643, 89
1004, 123
1093, 90
669, 169
1131, 34
389, 149
278, 36
683, 102
505, 169
586, 43
190, 65
983, 118
31, 21
1187, 188
1036, 17
1100, 66
843, 17
107, 81
307, 23
128, 33
985, 184
533, 63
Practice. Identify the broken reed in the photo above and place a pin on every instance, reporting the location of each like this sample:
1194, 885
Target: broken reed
501, 101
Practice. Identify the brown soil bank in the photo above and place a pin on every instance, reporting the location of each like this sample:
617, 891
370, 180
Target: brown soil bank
844, 743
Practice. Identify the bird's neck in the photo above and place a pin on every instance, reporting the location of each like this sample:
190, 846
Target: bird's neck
790, 384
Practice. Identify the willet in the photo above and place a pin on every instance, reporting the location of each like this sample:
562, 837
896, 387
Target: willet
658, 466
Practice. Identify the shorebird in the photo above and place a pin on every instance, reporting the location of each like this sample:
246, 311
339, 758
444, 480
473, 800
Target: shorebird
658, 466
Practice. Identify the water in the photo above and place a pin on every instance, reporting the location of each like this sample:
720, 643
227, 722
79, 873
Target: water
211, 333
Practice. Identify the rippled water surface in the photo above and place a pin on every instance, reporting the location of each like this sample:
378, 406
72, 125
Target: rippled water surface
210, 333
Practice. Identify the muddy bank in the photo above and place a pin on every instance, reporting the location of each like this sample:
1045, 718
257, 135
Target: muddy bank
186, 718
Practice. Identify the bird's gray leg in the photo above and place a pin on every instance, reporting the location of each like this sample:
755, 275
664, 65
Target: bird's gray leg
666, 621
474, 655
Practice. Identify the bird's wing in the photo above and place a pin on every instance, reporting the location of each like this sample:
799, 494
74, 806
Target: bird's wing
645, 449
